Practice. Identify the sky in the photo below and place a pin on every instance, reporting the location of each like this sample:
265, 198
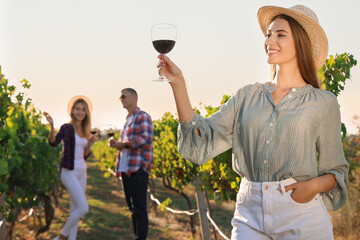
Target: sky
98, 47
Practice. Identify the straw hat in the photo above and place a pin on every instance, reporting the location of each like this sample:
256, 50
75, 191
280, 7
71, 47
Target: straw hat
307, 19
75, 98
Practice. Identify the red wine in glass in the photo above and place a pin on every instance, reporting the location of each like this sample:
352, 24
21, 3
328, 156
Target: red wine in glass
164, 46
163, 36
93, 132
110, 130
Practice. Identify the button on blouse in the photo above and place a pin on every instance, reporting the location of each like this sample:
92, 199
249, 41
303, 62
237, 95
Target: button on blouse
300, 137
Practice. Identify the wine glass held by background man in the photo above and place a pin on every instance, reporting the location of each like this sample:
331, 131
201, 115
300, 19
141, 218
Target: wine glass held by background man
77, 141
285, 137
134, 160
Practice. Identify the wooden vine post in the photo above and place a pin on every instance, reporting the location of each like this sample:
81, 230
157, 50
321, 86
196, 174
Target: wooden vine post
201, 205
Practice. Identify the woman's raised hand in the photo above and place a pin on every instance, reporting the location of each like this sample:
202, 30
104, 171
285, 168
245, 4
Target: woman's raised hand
49, 118
52, 131
173, 73
170, 70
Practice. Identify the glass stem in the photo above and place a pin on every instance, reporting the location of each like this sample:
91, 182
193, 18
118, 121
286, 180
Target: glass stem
161, 64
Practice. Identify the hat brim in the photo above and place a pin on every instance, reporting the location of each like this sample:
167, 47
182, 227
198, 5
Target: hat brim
75, 98
318, 39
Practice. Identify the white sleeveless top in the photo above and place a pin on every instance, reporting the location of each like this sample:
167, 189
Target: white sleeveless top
80, 145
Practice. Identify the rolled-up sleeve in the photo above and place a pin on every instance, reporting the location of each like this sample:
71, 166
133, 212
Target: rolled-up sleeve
331, 155
216, 134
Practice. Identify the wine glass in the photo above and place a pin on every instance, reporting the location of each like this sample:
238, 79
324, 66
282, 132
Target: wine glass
163, 36
94, 131
110, 131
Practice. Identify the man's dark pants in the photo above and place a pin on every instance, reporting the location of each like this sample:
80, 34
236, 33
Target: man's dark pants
135, 188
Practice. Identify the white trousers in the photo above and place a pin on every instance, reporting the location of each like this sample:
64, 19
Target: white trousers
264, 212
75, 183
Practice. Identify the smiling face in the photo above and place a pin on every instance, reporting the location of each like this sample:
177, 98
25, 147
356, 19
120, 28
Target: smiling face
279, 43
79, 112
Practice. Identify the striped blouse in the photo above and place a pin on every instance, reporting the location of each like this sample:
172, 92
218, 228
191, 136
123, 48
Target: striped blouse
300, 137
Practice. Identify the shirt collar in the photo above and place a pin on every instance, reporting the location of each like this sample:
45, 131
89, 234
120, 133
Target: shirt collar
134, 112
270, 87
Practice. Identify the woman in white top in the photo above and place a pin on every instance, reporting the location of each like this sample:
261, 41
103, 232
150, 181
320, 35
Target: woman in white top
77, 140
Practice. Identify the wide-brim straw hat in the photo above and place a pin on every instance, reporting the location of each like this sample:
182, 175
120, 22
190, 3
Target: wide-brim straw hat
307, 19
75, 98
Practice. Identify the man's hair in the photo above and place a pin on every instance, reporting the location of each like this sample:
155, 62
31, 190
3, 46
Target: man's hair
130, 90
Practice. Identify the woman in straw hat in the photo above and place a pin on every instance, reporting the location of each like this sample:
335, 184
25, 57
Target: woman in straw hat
285, 137
77, 141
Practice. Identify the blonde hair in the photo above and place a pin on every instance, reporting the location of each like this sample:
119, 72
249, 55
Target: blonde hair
304, 55
86, 122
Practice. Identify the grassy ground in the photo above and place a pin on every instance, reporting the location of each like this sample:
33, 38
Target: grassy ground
346, 220
109, 217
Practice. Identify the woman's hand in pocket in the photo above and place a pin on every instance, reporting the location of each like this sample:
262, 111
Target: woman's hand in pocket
303, 191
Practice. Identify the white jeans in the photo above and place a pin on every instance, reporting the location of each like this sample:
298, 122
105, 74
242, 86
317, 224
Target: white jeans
75, 183
264, 212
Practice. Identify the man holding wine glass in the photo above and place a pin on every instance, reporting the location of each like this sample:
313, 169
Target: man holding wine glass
134, 160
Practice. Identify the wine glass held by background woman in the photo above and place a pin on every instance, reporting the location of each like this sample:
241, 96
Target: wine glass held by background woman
285, 137
77, 141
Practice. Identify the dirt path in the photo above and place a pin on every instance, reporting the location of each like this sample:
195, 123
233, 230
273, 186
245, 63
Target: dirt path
109, 217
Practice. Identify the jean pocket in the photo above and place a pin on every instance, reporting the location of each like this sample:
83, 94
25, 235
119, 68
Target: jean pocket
289, 193
242, 194
240, 198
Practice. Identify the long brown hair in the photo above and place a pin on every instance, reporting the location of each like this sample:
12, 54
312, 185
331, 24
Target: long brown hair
304, 55
86, 122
